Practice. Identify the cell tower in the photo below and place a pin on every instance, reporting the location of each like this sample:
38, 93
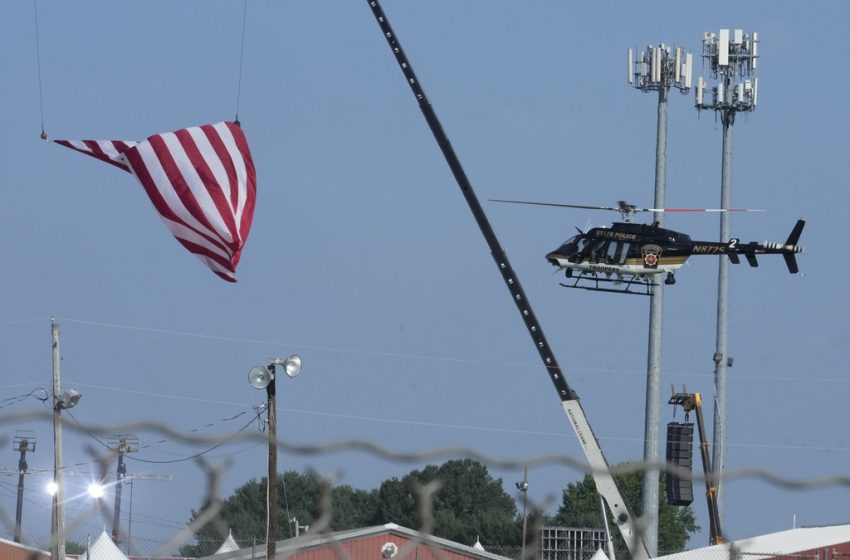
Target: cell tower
731, 57
658, 68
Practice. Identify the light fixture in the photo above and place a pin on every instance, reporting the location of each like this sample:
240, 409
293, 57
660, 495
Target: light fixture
260, 377
69, 399
291, 365
52, 488
96, 490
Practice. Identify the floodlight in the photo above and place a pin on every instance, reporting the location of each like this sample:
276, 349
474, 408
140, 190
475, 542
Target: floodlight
292, 365
69, 399
52, 487
260, 377
96, 490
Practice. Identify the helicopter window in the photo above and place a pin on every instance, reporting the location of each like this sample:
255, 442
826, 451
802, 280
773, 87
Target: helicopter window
597, 250
619, 253
578, 244
614, 248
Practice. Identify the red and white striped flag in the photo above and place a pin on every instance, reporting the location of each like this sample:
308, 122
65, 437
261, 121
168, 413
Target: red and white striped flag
202, 182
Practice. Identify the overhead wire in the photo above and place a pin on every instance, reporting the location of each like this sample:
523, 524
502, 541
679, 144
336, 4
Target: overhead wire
38, 64
163, 462
241, 59
171, 332
9, 401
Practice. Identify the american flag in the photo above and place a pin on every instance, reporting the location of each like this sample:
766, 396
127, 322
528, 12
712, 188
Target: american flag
202, 182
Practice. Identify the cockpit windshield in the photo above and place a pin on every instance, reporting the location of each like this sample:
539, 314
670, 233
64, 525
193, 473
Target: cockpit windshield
575, 244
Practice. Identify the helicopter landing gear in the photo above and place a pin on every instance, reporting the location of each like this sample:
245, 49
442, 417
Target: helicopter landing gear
670, 280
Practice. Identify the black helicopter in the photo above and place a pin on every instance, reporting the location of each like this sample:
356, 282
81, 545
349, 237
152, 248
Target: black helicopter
629, 255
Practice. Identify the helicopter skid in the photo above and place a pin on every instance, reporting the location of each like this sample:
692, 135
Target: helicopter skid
591, 281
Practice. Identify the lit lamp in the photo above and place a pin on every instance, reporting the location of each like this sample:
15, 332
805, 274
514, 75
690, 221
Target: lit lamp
263, 377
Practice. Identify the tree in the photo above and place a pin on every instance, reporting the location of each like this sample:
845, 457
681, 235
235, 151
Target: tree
72, 547
581, 508
469, 505
299, 497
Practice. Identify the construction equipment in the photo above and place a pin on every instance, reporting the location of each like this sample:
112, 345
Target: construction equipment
693, 402
600, 470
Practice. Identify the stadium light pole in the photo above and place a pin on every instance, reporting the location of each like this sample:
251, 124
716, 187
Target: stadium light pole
657, 68
263, 377
732, 58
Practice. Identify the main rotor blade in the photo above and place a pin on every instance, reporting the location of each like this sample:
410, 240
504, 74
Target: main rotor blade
582, 206
626, 207
700, 210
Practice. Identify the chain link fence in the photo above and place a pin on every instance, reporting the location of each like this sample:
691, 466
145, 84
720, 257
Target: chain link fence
100, 545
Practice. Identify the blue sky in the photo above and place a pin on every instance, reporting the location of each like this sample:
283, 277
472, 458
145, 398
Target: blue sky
365, 259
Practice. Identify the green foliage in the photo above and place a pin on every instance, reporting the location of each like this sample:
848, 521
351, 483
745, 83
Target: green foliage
470, 504
299, 496
72, 547
581, 508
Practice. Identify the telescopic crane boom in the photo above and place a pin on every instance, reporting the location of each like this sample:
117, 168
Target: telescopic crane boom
605, 484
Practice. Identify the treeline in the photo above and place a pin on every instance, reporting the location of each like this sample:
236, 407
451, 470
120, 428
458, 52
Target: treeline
464, 505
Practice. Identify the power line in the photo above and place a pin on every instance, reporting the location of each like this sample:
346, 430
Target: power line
169, 461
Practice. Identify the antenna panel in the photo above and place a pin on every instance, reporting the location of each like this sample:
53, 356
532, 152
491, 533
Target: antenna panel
723, 48
738, 37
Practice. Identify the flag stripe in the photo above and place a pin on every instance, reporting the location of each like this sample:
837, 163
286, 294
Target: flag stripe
230, 185
191, 189
247, 176
83, 147
212, 199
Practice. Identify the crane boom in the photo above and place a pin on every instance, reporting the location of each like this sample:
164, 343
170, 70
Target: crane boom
605, 484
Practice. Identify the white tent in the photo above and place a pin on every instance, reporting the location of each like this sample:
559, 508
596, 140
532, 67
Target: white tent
103, 549
229, 544
599, 555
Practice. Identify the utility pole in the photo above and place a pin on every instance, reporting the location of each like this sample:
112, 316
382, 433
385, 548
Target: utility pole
658, 69
263, 377
732, 58
122, 444
65, 400
23, 442
57, 544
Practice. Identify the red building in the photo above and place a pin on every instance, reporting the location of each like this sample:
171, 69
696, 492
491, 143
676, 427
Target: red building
382, 542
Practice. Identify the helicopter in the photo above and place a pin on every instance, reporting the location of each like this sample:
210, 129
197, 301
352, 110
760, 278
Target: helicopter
628, 256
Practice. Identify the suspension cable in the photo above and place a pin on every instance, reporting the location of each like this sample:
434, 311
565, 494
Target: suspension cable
38, 64
241, 58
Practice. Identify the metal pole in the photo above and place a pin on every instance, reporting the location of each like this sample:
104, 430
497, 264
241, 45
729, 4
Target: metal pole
271, 513
524, 489
119, 482
721, 358
57, 544
130, 520
652, 415
22, 468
